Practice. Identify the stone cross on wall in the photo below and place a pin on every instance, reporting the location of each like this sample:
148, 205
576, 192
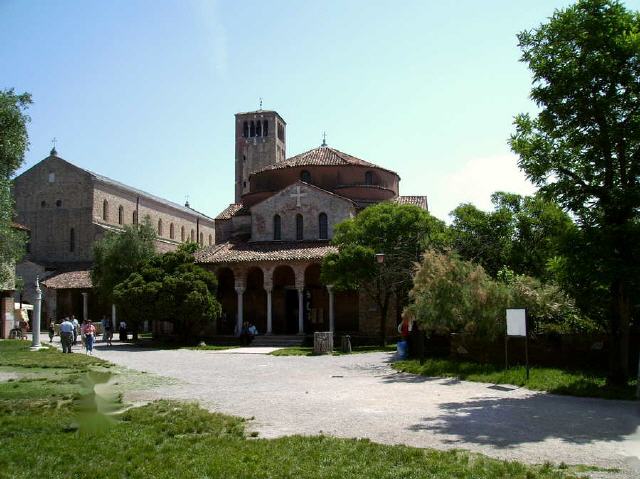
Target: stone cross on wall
297, 195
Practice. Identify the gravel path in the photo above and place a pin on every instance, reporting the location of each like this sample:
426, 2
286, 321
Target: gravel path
361, 396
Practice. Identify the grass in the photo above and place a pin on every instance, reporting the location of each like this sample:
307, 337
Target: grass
211, 347
308, 351
553, 380
53, 410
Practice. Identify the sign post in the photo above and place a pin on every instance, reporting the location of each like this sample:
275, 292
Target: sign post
517, 326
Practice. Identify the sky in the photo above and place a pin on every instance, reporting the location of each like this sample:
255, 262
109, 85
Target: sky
145, 91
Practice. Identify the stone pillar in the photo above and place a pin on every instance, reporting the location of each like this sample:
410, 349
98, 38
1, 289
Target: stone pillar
269, 312
239, 320
331, 310
300, 310
85, 306
113, 317
35, 322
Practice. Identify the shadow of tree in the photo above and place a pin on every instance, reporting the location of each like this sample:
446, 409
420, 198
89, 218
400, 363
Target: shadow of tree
509, 422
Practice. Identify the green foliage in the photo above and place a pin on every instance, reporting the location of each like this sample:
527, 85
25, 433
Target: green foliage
170, 287
119, 254
583, 147
401, 232
14, 142
553, 380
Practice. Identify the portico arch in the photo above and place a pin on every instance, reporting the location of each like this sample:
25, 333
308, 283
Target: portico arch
255, 300
227, 297
316, 300
284, 301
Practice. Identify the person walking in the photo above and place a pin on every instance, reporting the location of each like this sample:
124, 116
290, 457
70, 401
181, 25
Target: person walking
52, 330
76, 329
89, 333
66, 335
104, 321
108, 331
123, 331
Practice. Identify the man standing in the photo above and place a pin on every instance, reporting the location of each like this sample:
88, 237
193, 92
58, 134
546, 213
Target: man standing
66, 335
76, 329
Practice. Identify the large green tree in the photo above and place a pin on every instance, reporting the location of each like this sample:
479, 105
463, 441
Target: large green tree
14, 142
170, 287
400, 232
583, 146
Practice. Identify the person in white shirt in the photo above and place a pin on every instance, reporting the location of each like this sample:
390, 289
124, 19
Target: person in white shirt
66, 335
76, 329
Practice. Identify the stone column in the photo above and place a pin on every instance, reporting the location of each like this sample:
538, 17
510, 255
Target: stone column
331, 310
35, 322
300, 310
85, 306
113, 317
269, 311
240, 320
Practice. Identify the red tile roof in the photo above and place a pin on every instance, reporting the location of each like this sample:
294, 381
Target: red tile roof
234, 209
420, 201
241, 252
321, 156
70, 280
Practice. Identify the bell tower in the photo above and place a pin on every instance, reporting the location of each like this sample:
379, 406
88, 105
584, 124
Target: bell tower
260, 142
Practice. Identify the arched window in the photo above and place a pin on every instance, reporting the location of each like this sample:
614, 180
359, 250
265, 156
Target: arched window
368, 178
193, 236
265, 128
210, 240
201, 239
43, 204
160, 227
277, 227
120, 215
58, 203
323, 230
182, 234
299, 227
245, 129
252, 131
171, 231
305, 176
134, 218
258, 128
105, 210
72, 240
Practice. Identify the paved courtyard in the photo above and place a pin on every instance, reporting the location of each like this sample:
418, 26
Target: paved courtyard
362, 396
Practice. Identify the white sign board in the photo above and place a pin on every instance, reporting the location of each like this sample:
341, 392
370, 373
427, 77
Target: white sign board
516, 322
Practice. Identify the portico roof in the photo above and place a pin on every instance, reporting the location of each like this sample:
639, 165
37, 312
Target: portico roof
245, 252
70, 280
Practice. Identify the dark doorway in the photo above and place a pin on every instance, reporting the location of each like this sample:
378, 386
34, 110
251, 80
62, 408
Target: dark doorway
291, 311
228, 299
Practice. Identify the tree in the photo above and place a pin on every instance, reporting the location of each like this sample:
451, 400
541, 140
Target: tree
118, 255
400, 232
14, 142
583, 147
170, 287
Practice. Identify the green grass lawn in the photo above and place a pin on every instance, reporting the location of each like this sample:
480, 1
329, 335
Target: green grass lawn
52, 409
553, 380
211, 347
308, 351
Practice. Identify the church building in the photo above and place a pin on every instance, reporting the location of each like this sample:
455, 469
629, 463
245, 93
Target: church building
270, 242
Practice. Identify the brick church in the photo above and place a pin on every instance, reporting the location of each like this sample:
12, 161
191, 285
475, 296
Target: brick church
270, 242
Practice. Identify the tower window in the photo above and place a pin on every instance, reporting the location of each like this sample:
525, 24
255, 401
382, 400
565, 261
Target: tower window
245, 129
252, 131
120, 215
258, 128
305, 176
105, 210
277, 227
52, 177
265, 128
299, 227
43, 204
368, 178
280, 132
322, 226
72, 240
171, 231
244, 184
58, 203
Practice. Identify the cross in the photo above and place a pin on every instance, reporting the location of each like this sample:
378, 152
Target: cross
260, 103
297, 195
324, 138
54, 141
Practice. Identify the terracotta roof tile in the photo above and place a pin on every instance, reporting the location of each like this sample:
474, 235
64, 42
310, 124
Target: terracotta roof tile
70, 280
234, 209
420, 201
241, 252
321, 156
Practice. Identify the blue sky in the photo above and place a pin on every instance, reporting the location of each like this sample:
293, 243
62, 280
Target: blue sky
145, 91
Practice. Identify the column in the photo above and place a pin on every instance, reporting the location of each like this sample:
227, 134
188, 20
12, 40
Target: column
35, 321
269, 311
85, 306
239, 321
113, 317
300, 310
331, 310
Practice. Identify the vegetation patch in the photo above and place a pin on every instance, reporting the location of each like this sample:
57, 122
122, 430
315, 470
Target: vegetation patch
308, 350
553, 380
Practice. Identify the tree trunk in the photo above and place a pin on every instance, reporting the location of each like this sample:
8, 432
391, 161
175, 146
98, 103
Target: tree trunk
620, 318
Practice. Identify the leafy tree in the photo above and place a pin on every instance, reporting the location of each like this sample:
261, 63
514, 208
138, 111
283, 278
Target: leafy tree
583, 147
14, 142
119, 254
400, 232
170, 287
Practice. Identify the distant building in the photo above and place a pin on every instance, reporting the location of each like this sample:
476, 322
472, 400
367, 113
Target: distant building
68, 208
271, 240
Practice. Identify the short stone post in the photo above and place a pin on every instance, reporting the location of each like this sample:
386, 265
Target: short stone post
35, 323
322, 342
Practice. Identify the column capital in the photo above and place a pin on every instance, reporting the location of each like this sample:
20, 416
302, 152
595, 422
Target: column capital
330, 288
240, 289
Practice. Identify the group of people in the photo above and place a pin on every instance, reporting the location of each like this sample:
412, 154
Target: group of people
247, 333
70, 329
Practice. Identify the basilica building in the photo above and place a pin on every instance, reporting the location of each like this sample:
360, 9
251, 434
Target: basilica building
270, 242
